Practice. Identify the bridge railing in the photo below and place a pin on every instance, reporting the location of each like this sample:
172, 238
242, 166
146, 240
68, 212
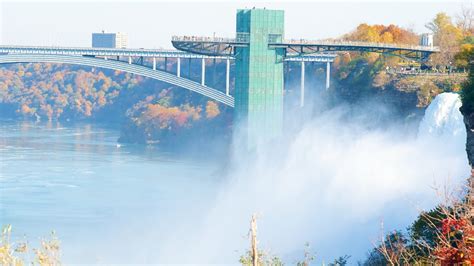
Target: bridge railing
95, 51
76, 48
359, 44
206, 39
310, 42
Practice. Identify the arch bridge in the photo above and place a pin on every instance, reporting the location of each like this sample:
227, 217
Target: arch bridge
136, 61
133, 61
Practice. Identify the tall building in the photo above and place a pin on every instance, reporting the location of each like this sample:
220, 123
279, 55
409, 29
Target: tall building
109, 40
121, 40
259, 75
426, 39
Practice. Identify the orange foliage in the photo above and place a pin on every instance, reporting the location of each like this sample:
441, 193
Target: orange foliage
169, 117
193, 112
458, 234
26, 110
383, 34
212, 109
50, 90
163, 117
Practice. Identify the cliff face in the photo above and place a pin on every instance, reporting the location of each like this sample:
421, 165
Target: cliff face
467, 109
469, 122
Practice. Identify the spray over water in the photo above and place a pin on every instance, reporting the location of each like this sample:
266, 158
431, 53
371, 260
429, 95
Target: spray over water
332, 186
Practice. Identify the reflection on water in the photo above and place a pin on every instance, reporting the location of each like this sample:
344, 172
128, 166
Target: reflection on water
79, 182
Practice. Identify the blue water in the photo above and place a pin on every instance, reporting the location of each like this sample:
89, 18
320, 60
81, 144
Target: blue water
96, 195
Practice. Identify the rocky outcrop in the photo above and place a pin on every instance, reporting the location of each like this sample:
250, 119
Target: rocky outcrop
467, 110
469, 122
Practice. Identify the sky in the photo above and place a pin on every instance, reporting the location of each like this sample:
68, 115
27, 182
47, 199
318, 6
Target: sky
151, 24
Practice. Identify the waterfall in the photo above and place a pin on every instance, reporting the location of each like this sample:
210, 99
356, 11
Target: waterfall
443, 121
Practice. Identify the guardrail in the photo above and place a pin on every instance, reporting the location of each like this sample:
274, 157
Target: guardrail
205, 39
361, 44
311, 42
55, 47
94, 51
427, 73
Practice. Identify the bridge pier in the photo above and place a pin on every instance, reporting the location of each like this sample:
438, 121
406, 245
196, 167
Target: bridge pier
129, 60
203, 72
178, 67
166, 63
189, 68
227, 77
328, 74
154, 63
302, 85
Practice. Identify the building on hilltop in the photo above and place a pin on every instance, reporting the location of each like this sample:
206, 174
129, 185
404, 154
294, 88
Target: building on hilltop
109, 40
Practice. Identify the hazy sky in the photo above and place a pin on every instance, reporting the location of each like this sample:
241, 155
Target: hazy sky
150, 24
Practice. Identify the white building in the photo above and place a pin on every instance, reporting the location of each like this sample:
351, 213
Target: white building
121, 40
427, 39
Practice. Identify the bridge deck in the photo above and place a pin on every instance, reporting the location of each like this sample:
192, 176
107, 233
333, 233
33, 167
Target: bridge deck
158, 53
226, 46
347, 45
53, 50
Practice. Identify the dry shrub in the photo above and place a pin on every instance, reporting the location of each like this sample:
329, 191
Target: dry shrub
18, 254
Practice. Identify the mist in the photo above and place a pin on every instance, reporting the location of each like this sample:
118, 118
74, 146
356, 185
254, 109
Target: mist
330, 184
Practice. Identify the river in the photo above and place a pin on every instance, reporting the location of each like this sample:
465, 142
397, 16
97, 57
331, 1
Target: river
94, 193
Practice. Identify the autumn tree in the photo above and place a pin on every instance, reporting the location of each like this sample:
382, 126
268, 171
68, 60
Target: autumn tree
442, 236
448, 37
380, 34
212, 109
465, 20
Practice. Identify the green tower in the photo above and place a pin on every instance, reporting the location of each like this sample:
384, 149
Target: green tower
259, 75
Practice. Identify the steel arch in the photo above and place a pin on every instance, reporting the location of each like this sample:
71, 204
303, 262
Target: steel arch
121, 66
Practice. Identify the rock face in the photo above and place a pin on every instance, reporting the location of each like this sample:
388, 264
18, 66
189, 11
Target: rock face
469, 122
467, 110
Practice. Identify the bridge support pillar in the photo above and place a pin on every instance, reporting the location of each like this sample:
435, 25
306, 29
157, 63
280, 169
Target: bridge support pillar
227, 78
203, 72
328, 75
178, 67
130, 60
166, 63
105, 57
154, 63
302, 85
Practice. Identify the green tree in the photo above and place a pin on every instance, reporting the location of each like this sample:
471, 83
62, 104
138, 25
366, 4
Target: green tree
341, 261
424, 231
